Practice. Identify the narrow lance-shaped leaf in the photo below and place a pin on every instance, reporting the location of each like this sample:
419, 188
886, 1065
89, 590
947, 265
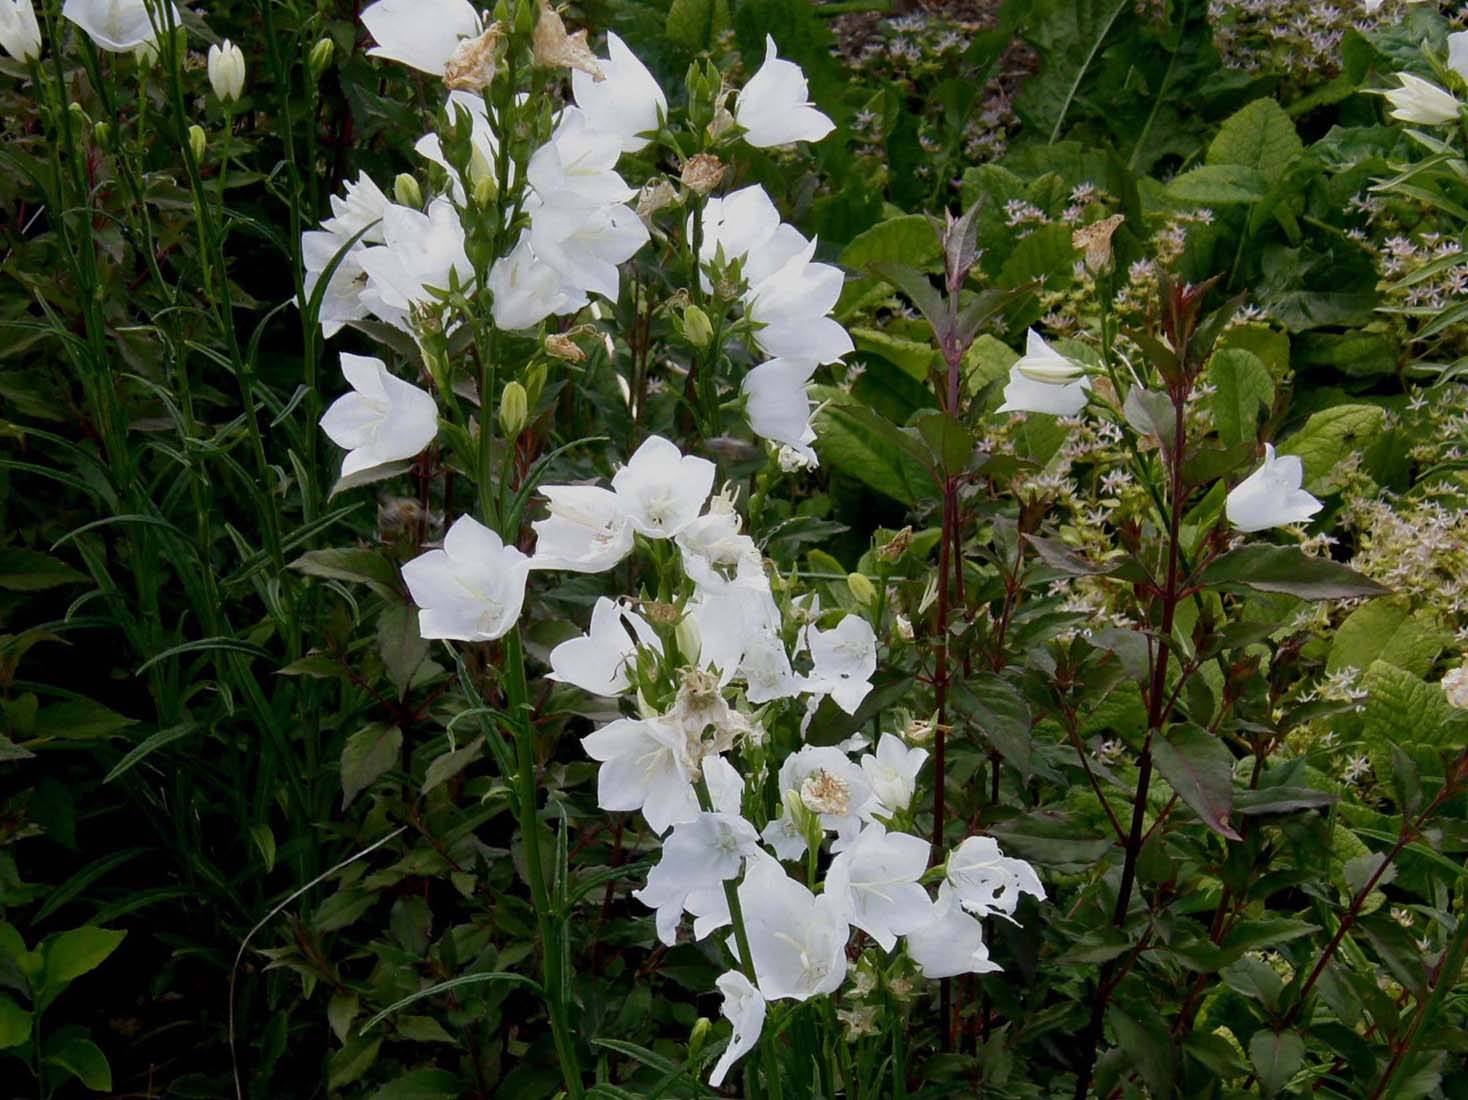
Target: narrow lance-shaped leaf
1285, 569
1199, 767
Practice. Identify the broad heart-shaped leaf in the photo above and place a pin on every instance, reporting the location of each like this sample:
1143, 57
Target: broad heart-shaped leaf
1329, 437
368, 753
1199, 767
1260, 136
1404, 710
400, 644
1389, 630
1219, 185
915, 358
73, 953
1276, 1056
82, 1058
1285, 569
1242, 388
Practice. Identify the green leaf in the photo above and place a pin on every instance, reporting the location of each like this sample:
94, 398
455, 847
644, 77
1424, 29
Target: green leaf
1242, 390
403, 649
15, 1023
1332, 436
1047, 255
340, 1011
1260, 136
951, 444
351, 1061
1001, 715
447, 987
83, 1059
1404, 710
73, 953
1218, 185
1070, 36
1199, 767
422, 1084
916, 358
368, 567
1151, 413
1285, 569
695, 24
1148, 1045
906, 239
1388, 630
145, 748
368, 754
78, 720
450, 764
31, 571
876, 452
1276, 1056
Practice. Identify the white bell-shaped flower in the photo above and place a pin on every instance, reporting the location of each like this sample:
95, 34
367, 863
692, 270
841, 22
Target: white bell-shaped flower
698, 857
382, 420
796, 939
472, 589
600, 661
1272, 495
587, 530
627, 102
422, 34
420, 253
117, 26
20, 34
527, 290
788, 308
892, 772
844, 660
1044, 381
744, 1008
642, 769
879, 876
776, 404
774, 106
986, 881
226, 68
1421, 101
950, 942
662, 489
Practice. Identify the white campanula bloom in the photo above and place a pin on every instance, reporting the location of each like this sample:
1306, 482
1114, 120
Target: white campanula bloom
765, 669
1421, 101
422, 34
796, 939
1272, 495
584, 245
116, 25
600, 660
844, 660
892, 772
420, 253
788, 308
587, 530
20, 35
483, 142
736, 224
1458, 53
341, 302
578, 165
471, 590
1044, 381
774, 107
527, 290
226, 67
829, 785
662, 489
382, 420
642, 769
878, 878
986, 881
627, 102
744, 1008
699, 856
716, 552
777, 406
360, 207
733, 619
950, 942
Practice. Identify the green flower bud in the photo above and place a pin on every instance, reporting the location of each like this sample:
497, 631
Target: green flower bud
697, 327
701, 1028
690, 641
321, 55
406, 192
514, 410
102, 134
862, 588
198, 142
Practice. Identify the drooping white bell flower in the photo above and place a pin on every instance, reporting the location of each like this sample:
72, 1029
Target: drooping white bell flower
892, 772
986, 881
731, 619
587, 530
844, 660
116, 25
1458, 53
1272, 495
788, 308
420, 253
578, 165
422, 34
662, 489
360, 207
382, 420
716, 552
744, 1008
1421, 101
627, 103
950, 942
776, 404
698, 857
797, 940
641, 769
829, 785
600, 661
585, 244
878, 876
736, 224
226, 67
471, 590
20, 34
1044, 381
342, 301
774, 108
527, 290
765, 668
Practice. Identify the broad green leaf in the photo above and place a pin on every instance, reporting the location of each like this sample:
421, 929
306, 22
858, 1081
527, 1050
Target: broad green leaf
368, 754
951, 444
1001, 715
906, 239
425, 1083
696, 24
1358, 354
882, 458
1260, 136
340, 1011
1242, 389
1047, 255
1404, 710
1276, 1056
1388, 630
15, 1023
402, 647
1285, 569
450, 764
987, 362
1218, 185
83, 1059
1199, 767
31, 570
351, 1061
1330, 437
1070, 37
368, 567
1148, 1045
78, 720
917, 358
73, 953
